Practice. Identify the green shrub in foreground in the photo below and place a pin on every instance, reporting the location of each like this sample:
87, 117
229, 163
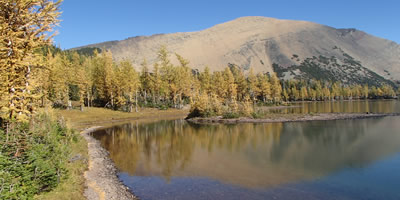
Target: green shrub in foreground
32, 159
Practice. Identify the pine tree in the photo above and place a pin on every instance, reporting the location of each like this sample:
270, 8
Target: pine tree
24, 29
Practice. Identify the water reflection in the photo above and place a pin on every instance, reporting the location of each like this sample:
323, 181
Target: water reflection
250, 155
362, 106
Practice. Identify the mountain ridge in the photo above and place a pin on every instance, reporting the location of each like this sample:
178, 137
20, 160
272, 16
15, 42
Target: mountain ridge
260, 42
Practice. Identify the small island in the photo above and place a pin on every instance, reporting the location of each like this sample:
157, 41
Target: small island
288, 118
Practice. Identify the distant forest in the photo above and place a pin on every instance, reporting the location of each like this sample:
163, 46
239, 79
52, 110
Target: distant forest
90, 77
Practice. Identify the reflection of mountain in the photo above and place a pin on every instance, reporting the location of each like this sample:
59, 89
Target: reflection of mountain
252, 155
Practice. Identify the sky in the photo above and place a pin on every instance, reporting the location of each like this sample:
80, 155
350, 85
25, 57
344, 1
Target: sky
92, 21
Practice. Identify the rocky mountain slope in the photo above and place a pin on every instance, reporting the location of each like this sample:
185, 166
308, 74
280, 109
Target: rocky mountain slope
268, 44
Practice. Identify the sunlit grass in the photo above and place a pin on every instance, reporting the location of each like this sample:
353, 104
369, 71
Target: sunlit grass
72, 187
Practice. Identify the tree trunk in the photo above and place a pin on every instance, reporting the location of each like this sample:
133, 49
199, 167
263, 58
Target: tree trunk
145, 97
130, 103
136, 99
69, 107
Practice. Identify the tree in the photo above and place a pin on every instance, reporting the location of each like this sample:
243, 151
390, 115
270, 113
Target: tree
230, 84
145, 80
25, 26
265, 86
183, 79
276, 88
303, 93
129, 84
252, 83
365, 92
219, 85
205, 81
240, 82
103, 77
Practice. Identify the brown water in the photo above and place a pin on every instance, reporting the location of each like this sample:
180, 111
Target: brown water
343, 159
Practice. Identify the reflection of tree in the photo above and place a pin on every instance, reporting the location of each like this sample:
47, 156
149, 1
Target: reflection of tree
358, 106
250, 154
168, 145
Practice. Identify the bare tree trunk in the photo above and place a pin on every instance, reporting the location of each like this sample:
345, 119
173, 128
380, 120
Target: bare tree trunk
136, 99
69, 107
145, 97
88, 99
112, 101
180, 101
130, 103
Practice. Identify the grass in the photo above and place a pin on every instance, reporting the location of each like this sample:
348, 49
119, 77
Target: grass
103, 117
73, 186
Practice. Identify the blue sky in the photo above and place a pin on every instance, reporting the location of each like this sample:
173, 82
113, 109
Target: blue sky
92, 21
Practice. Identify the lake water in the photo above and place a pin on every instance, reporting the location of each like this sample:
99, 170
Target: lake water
343, 159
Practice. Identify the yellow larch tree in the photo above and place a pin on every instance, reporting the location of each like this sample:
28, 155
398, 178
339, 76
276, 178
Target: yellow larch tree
24, 27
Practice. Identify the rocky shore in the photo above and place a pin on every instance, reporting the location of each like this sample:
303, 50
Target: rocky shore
102, 182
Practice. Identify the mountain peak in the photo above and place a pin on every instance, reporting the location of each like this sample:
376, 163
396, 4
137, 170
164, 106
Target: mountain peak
259, 42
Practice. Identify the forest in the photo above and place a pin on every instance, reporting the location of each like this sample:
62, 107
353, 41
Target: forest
95, 79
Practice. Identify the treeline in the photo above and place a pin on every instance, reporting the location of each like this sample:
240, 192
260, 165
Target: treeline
99, 81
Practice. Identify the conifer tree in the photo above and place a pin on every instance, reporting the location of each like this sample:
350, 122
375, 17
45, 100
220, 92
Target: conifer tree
253, 88
184, 80
303, 93
205, 81
265, 87
145, 80
220, 87
276, 88
230, 84
24, 28
365, 92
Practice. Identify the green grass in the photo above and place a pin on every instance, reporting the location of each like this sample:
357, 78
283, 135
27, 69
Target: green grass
72, 187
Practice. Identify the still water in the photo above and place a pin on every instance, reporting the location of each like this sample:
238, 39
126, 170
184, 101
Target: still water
343, 159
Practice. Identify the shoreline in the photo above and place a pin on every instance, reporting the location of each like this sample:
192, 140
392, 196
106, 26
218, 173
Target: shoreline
101, 179
297, 118
101, 176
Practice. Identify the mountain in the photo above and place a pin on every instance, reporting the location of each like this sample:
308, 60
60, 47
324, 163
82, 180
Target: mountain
293, 49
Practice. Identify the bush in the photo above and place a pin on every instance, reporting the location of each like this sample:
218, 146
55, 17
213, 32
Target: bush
258, 115
32, 159
230, 115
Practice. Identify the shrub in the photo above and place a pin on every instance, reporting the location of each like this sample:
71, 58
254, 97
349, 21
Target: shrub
231, 115
32, 159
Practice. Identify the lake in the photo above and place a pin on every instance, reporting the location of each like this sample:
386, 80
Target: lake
342, 159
